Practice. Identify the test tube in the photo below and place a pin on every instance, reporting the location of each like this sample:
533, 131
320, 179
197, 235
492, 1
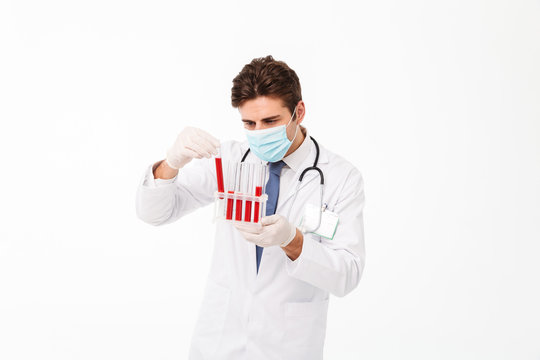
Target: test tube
264, 172
248, 189
220, 209
259, 181
231, 182
219, 172
238, 189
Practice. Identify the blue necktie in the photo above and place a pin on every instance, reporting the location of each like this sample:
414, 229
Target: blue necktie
272, 190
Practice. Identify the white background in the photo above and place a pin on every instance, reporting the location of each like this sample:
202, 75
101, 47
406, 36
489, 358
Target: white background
436, 102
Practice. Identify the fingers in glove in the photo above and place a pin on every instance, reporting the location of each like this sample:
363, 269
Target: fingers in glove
257, 239
208, 145
212, 140
187, 152
272, 219
199, 149
250, 229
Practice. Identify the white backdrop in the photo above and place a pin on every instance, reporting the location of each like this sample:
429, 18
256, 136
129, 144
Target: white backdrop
437, 104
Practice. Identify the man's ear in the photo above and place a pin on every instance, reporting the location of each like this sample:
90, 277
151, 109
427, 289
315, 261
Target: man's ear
300, 113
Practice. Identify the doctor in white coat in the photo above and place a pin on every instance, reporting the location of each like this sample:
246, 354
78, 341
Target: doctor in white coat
269, 303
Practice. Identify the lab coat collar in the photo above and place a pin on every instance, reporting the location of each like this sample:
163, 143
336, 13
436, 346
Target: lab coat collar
297, 157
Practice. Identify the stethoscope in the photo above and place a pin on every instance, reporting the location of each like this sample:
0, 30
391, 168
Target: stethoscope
321, 176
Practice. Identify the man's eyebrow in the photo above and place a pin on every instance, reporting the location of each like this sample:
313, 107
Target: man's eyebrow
265, 119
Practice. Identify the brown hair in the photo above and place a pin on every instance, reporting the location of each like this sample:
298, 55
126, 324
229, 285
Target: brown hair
266, 77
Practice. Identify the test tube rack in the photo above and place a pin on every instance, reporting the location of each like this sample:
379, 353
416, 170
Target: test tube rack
240, 196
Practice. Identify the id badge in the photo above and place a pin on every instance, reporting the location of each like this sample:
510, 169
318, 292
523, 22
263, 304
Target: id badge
310, 219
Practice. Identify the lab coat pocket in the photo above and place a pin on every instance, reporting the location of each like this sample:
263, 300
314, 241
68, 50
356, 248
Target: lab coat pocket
212, 315
305, 329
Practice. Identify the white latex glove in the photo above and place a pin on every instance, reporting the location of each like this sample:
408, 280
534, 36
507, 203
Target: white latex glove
275, 230
191, 143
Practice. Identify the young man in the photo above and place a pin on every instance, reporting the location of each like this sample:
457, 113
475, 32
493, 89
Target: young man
268, 289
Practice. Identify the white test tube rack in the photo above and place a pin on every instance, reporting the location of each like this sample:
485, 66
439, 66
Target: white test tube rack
244, 199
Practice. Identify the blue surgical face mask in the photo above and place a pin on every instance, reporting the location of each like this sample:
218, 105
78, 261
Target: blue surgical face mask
270, 144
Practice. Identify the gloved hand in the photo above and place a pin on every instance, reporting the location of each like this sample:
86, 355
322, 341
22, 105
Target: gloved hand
191, 143
275, 230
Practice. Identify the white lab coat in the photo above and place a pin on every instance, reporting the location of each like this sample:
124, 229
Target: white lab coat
279, 313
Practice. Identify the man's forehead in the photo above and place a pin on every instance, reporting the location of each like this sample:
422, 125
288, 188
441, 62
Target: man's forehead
263, 102
262, 111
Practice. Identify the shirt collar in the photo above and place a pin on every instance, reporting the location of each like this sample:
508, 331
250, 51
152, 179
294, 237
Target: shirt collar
297, 157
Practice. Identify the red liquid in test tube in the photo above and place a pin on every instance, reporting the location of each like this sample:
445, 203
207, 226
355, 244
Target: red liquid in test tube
238, 210
258, 192
219, 175
247, 215
230, 205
